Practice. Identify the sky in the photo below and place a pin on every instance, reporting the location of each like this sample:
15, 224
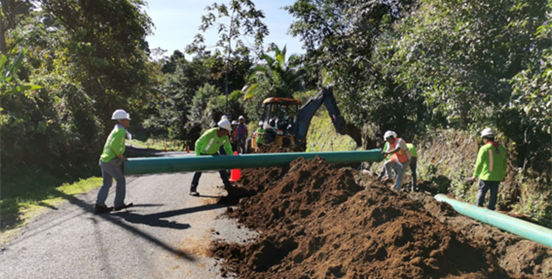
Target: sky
176, 22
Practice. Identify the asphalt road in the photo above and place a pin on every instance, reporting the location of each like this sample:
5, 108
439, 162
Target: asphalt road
165, 235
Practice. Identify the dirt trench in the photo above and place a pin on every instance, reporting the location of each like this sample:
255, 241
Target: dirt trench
319, 221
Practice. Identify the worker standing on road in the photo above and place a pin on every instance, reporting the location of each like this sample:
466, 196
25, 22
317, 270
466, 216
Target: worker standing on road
111, 163
221, 150
234, 138
209, 144
398, 148
260, 135
242, 133
490, 168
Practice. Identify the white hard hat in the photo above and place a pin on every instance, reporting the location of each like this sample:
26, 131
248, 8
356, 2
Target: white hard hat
225, 124
224, 117
260, 123
120, 114
241, 117
389, 134
487, 132
234, 122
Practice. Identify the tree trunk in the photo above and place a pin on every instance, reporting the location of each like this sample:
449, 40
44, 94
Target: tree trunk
3, 47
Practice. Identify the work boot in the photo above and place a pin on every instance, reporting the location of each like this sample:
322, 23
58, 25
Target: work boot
123, 206
193, 192
99, 209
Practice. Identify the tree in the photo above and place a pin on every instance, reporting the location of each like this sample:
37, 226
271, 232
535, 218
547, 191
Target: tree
276, 77
106, 47
11, 14
341, 38
234, 22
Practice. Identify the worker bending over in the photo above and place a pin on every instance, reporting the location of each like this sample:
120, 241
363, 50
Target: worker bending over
397, 147
209, 144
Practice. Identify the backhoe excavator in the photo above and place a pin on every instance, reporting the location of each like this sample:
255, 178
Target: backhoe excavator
287, 124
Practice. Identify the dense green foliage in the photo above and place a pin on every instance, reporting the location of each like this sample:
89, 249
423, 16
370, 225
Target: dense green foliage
415, 67
410, 66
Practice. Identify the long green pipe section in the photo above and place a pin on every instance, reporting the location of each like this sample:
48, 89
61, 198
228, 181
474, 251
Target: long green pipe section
152, 165
513, 225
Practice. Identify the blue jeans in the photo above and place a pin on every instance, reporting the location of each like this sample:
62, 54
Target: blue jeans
110, 170
482, 188
399, 168
197, 176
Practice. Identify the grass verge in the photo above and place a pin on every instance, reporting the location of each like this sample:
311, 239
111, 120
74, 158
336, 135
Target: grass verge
31, 195
161, 144
322, 135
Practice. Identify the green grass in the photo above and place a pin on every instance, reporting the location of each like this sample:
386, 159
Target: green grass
32, 194
160, 144
323, 137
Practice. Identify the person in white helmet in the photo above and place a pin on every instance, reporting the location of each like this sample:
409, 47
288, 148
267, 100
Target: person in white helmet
400, 157
111, 163
413, 164
221, 150
242, 133
234, 139
490, 168
209, 144
260, 135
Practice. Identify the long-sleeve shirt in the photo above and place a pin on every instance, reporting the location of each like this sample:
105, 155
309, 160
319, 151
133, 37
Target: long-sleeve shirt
209, 143
259, 138
115, 144
491, 164
242, 131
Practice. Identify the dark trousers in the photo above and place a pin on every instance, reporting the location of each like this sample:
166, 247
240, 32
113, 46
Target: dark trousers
485, 186
197, 176
413, 165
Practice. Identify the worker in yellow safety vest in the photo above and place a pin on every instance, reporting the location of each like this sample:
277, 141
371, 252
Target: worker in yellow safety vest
490, 168
111, 163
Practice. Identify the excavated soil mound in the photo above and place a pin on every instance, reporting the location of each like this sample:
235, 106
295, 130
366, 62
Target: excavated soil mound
513, 253
316, 221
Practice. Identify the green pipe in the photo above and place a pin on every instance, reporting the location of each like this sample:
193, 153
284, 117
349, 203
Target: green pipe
513, 225
209, 162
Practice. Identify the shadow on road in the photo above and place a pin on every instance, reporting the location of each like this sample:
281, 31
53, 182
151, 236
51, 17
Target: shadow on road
117, 221
149, 220
184, 211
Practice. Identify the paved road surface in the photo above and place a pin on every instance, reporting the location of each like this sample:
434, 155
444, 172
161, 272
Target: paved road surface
165, 235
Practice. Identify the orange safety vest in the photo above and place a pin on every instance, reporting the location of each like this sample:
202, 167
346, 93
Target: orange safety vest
401, 155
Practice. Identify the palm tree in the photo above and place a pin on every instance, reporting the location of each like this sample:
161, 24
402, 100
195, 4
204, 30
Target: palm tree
276, 77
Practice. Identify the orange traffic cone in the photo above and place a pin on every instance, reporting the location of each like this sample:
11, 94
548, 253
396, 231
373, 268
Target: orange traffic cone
235, 175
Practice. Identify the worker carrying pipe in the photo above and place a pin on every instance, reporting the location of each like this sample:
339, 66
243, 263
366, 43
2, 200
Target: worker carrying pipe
490, 168
209, 144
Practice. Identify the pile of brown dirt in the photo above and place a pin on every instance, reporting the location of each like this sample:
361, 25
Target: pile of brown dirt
316, 221
516, 254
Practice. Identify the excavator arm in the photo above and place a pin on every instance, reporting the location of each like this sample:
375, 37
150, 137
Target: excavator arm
307, 111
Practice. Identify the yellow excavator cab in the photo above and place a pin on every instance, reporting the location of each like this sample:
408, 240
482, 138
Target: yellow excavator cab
287, 121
